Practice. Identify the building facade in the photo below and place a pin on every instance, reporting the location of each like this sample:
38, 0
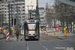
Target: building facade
42, 14
4, 11
30, 5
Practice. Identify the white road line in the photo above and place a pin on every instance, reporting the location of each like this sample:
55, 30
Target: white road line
57, 44
43, 45
27, 46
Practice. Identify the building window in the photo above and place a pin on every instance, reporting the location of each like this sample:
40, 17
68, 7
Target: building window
41, 17
33, 14
23, 10
23, 13
23, 7
5, 11
5, 8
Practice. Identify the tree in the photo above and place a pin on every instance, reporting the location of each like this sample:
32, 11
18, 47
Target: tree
63, 13
37, 13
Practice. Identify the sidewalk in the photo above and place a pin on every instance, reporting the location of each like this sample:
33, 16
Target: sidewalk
59, 35
15, 39
2, 36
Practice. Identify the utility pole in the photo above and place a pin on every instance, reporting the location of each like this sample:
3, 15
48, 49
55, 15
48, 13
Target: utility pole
2, 19
20, 20
11, 11
17, 17
9, 17
13, 15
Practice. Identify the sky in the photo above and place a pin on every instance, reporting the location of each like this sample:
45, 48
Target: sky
42, 3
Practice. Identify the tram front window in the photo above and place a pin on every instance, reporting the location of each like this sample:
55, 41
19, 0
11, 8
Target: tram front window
31, 26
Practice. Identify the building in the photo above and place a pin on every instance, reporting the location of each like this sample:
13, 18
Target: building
42, 14
4, 12
30, 5
21, 10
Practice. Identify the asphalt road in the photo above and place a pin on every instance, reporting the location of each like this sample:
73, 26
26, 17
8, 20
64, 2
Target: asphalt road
37, 45
45, 43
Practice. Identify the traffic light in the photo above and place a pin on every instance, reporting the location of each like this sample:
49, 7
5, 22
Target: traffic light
14, 21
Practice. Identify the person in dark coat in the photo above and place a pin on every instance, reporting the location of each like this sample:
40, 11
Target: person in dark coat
17, 34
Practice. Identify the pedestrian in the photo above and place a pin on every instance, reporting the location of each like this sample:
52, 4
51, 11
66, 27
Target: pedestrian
17, 34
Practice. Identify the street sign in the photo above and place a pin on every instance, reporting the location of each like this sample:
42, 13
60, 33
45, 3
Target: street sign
57, 29
57, 25
46, 28
51, 28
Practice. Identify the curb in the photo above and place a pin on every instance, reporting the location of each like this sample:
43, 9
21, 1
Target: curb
61, 38
2, 38
14, 38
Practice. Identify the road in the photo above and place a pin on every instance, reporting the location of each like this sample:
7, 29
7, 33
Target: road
45, 43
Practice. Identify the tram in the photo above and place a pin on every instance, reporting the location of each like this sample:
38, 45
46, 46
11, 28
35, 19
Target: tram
31, 29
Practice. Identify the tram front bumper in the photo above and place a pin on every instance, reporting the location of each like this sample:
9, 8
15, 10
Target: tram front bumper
32, 36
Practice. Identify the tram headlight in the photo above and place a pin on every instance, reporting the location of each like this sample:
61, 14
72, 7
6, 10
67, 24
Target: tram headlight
29, 20
32, 21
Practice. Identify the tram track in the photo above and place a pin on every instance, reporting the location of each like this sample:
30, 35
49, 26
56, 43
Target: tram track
27, 46
43, 46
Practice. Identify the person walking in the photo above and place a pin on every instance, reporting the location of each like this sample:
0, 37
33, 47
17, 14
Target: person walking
17, 34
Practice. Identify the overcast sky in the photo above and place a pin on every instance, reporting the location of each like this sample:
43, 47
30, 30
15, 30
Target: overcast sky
42, 3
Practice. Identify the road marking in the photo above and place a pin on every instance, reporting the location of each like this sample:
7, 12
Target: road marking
43, 45
27, 45
57, 44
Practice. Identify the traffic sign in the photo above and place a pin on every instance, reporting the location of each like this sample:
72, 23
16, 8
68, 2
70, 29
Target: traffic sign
46, 28
57, 29
51, 28
57, 25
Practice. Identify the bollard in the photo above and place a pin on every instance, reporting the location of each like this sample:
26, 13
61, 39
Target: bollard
46, 31
7, 37
54, 32
43, 31
59, 31
64, 31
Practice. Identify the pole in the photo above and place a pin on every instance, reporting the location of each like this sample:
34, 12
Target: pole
73, 19
30, 14
13, 16
62, 24
2, 20
17, 17
20, 21
9, 17
11, 11
54, 22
